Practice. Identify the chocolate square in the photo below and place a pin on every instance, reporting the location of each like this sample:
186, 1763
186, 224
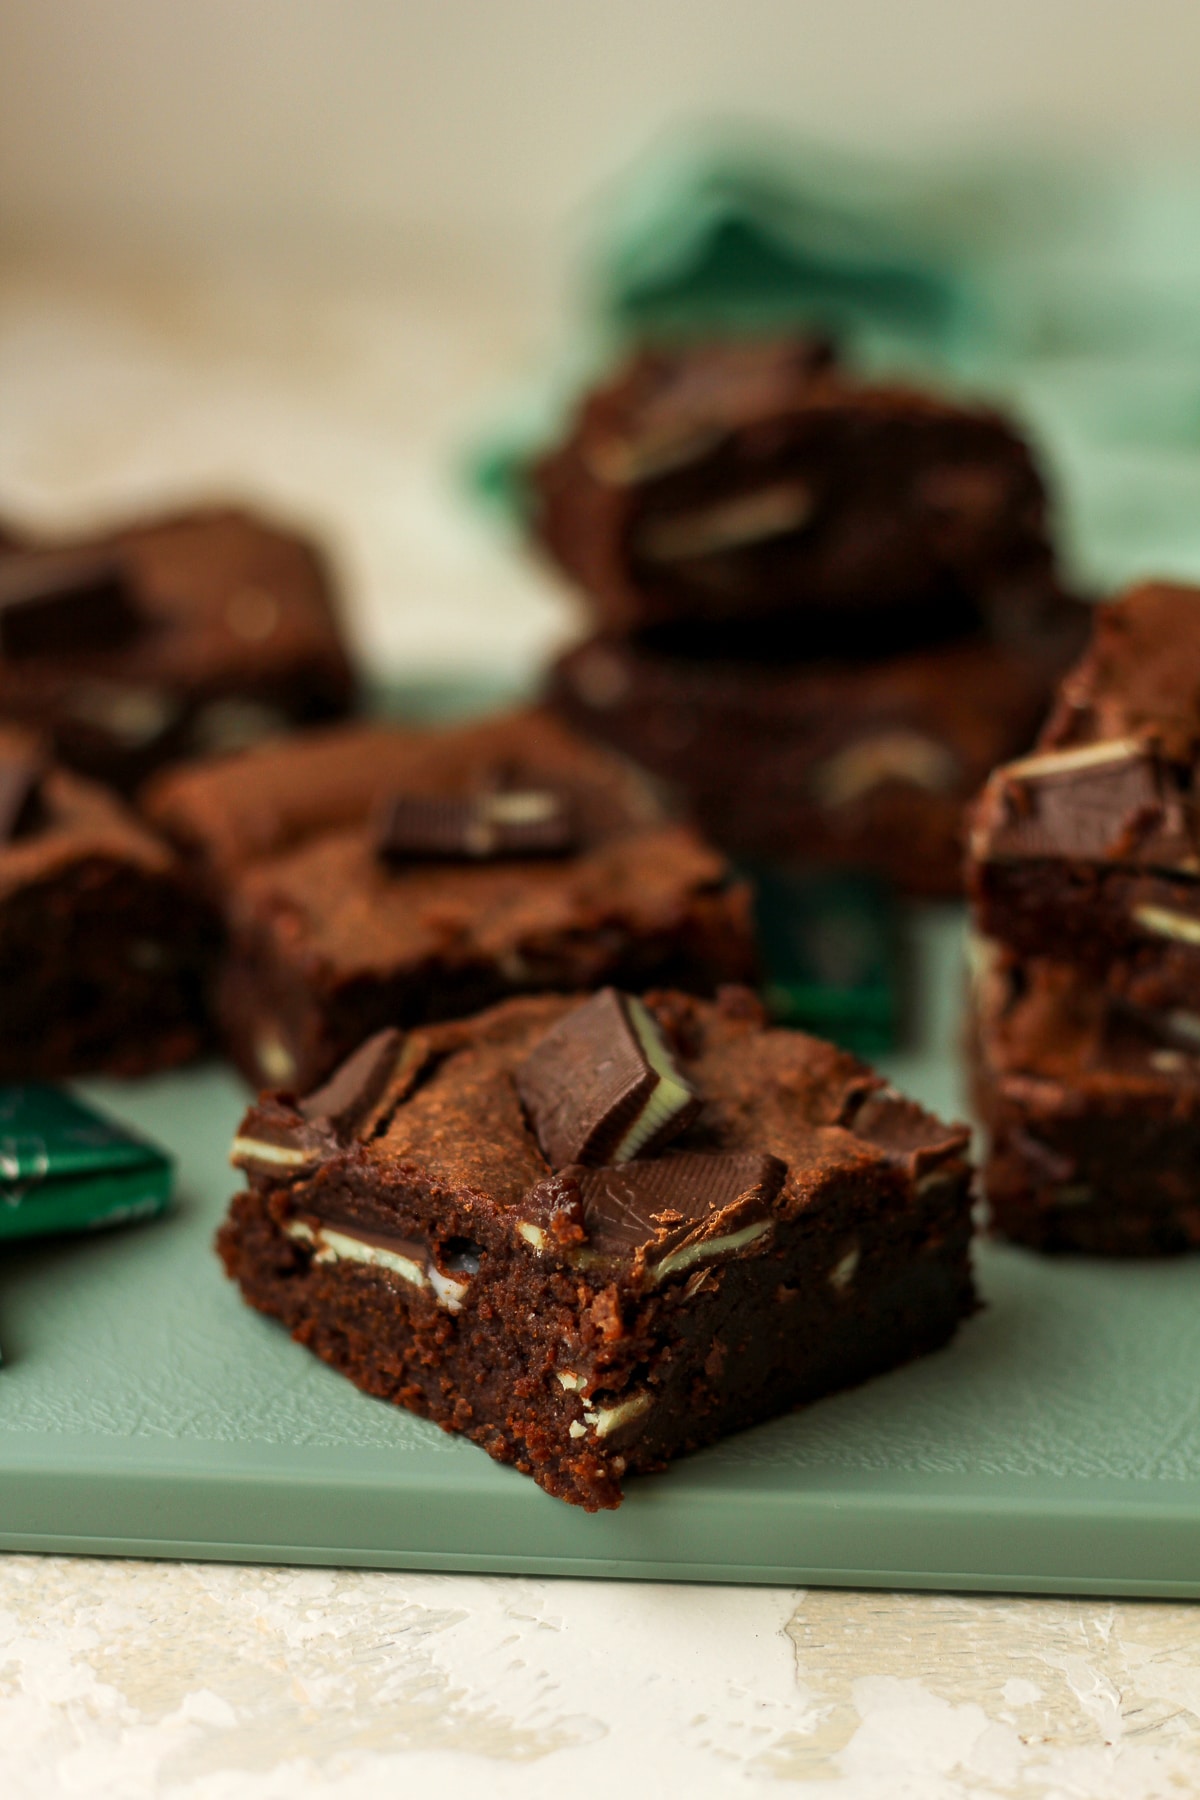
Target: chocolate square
603, 1086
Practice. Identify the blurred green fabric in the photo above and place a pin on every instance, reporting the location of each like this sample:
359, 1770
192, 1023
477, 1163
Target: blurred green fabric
1069, 293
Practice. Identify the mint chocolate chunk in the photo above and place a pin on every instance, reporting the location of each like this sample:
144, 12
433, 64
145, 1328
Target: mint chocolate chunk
347, 1097
602, 1086
671, 1213
477, 828
59, 602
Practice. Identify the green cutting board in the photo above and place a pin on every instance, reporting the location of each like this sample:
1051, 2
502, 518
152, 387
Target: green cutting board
1054, 1447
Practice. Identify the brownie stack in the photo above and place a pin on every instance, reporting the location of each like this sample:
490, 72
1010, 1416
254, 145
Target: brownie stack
825, 609
1084, 873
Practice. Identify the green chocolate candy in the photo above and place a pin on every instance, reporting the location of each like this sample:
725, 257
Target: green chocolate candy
829, 946
66, 1168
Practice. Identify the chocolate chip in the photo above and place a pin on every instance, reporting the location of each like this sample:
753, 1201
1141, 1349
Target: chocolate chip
344, 1101
22, 809
674, 1212
479, 827
602, 1085
60, 603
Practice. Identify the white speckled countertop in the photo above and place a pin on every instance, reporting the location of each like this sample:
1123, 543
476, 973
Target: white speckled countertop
343, 400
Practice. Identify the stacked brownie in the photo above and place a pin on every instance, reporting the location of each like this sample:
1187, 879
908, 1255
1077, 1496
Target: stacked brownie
1084, 874
825, 609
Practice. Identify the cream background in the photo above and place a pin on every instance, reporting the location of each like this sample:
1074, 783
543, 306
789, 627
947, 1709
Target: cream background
299, 118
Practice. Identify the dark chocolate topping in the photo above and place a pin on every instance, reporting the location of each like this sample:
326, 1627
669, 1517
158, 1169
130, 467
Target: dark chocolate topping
64, 602
672, 1202
1115, 801
414, 1249
21, 806
345, 1100
602, 1086
275, 1142
499, 823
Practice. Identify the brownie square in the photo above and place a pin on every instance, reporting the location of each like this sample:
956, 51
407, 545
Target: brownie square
181, 635
1088, 851
757, 486
809, 1228
1093, 1117
105, 949
865, 765
332, 936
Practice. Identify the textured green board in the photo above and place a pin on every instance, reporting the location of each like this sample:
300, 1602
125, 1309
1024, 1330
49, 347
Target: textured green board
144, 1411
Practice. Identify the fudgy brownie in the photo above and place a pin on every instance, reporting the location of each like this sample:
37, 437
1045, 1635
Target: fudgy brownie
414, 1224
1088, 851
757, 484
1093, 1116
422, 875
185, 634
865, 765
104, 947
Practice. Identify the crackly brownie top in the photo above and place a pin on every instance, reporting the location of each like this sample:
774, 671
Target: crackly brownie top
1045, 1022
1112, 778
235, 810
205, 591
447, 1121
52, 820
342, 906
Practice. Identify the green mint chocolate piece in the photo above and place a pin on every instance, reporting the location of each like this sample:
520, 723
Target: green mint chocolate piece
830, 950
65, 1168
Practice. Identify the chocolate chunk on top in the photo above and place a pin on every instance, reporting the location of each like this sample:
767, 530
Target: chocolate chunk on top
280, 1133
506, 822
1115, 800
345, 1100
22, 808
673, 1212
57, 603
602, 1086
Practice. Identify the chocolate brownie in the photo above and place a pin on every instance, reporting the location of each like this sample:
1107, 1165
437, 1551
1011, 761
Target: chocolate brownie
372, 878
184, 634
1093, 1115
866, 765
757, 485
1088, 851
104, 947
414, 1226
